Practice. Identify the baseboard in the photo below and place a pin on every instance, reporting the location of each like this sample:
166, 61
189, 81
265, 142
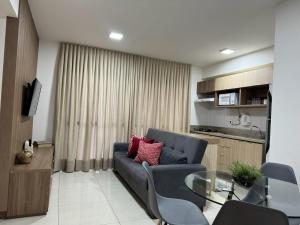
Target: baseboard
3, 215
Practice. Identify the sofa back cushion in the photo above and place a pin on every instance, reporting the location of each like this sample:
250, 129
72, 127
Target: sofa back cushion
134, 145
193, 148
170, 156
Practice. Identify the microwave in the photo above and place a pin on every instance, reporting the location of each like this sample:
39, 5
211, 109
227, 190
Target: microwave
228, 99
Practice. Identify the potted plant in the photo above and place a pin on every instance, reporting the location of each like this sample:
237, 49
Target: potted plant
244, 174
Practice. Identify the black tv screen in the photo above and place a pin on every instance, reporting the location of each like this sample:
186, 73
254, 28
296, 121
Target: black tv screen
31, 98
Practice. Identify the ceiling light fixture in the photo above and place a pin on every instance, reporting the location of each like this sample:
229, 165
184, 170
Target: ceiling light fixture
227, 51
116, 36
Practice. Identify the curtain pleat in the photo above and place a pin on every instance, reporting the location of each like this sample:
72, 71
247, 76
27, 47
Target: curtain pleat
105, 96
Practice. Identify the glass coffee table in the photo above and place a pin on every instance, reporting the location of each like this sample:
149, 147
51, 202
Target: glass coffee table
219, 187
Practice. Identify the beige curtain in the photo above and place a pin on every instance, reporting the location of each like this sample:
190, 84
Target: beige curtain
105, 96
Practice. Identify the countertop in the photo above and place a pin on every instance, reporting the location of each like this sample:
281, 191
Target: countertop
222, 135
212, 140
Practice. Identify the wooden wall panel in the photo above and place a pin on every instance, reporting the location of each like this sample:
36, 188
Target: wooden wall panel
28, 44
6, 114
20, 63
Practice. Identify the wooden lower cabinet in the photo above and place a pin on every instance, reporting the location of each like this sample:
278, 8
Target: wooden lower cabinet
230, 151
221, 156
224, 158
210, 157
29, 185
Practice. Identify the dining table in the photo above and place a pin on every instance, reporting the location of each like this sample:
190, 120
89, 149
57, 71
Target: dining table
220, 186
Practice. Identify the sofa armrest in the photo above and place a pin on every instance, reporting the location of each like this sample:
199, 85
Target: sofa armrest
170, 181
120, 147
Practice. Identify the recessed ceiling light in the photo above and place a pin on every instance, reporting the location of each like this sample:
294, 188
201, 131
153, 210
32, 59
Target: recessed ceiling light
227, 51
116, 36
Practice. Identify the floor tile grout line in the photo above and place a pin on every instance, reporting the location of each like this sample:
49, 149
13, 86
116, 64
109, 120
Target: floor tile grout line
113, 209
106, 198
105, 195
111, 205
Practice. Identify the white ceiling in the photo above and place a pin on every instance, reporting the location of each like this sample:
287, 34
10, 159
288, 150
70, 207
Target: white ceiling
190, 31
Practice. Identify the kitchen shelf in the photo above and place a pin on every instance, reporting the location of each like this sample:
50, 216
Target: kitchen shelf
205, 100
243, 106
253, 106
252, 87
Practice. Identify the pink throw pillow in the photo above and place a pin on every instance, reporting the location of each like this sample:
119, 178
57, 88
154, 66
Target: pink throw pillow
149, 153
134, 145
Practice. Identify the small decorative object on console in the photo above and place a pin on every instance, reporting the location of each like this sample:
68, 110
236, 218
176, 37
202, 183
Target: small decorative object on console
25, 156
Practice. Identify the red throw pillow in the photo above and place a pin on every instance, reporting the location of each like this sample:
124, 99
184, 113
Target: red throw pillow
149, 153
134, 145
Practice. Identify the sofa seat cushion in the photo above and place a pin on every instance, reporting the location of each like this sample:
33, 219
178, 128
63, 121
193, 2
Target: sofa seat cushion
133, 173
171, 156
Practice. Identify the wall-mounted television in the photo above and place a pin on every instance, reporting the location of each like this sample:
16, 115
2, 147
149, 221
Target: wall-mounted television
31, 98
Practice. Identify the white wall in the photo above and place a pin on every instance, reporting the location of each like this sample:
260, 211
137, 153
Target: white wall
43, 121
221, 117
196, 76
15, 6
2, 45
255, 59
285, 131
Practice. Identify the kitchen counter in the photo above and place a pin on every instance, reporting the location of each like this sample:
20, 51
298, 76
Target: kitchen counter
222, 135
212, 140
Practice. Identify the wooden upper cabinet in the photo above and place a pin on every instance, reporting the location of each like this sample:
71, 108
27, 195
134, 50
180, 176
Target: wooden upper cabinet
255, 77
206, 86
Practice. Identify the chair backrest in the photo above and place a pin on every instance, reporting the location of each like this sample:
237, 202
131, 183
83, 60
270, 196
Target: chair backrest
279, 172
193, 148
152, 194
241, 213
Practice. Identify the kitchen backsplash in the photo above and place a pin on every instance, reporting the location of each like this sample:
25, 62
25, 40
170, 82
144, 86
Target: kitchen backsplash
209, 115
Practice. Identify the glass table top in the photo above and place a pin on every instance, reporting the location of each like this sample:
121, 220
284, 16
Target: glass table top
219, 187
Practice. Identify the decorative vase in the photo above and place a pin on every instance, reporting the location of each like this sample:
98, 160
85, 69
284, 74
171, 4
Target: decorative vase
24, 157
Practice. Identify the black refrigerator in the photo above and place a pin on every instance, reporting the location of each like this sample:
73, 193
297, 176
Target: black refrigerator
268, 127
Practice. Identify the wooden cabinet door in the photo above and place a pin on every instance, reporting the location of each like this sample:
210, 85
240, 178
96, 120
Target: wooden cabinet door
210, 157
230, 151
251, 153
224, 155
205, 87
247, 152
224, 158
255, 77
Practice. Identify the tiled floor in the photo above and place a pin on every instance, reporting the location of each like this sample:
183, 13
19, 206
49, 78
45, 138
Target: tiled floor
94, 198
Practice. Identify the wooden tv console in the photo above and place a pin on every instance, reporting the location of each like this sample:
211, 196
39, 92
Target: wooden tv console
29, 185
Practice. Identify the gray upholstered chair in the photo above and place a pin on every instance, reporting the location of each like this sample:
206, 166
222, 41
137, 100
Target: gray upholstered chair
294, 221
284, 173
279, 172
241, 213
170, 210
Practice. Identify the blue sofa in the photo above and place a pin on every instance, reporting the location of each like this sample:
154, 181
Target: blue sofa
169, 179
